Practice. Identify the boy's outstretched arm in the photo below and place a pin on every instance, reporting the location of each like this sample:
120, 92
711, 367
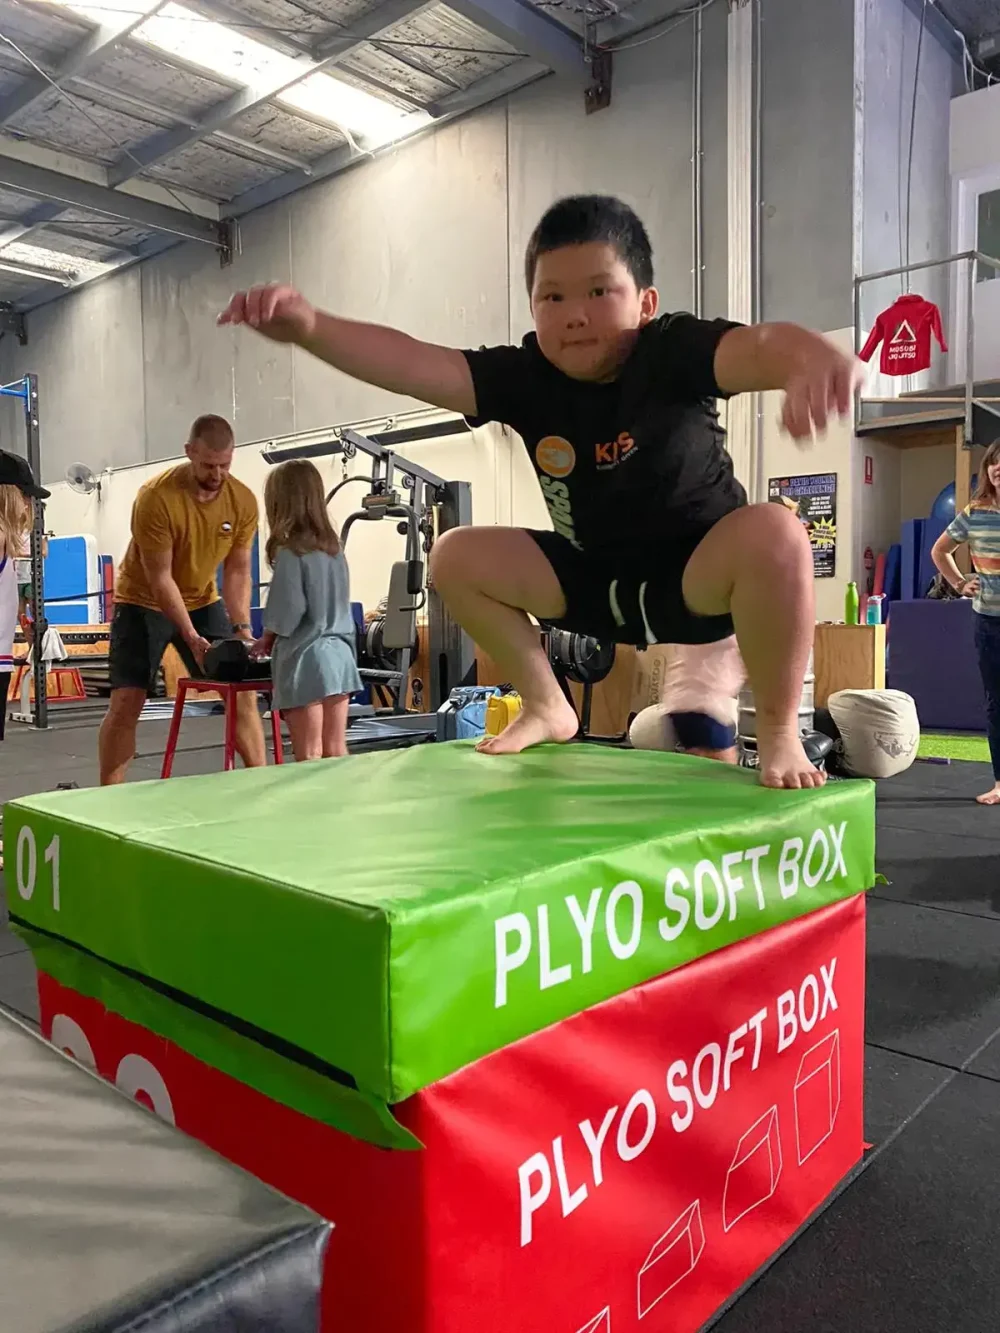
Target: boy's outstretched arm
384, 357
818, 379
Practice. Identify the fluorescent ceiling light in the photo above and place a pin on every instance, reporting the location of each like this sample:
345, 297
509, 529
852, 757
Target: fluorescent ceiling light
220, 50
39, 261
178, 31
374, 120
214, 47
61, 279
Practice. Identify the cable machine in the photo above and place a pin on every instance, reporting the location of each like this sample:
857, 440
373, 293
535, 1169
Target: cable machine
425, 506
26, 390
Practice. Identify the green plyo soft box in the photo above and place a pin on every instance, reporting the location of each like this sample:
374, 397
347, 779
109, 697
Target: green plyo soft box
401, 914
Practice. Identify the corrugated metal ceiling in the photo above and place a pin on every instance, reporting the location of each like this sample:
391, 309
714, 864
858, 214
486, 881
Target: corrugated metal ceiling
83, 92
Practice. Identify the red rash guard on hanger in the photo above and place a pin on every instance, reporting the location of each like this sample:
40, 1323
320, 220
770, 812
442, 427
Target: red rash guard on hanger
905, 330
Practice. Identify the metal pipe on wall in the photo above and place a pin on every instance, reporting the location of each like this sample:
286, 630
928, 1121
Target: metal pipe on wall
34, 453
697, 168
741, 425
757, 278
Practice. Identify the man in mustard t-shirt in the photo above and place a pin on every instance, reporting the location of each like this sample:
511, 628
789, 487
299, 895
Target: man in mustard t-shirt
185, 523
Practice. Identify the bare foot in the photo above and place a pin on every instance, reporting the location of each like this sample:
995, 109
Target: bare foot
991, 797
533, 727
783, 763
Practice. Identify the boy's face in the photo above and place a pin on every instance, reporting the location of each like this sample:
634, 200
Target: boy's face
588, 310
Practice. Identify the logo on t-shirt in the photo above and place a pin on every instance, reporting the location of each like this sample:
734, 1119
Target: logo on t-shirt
226, 529
611, 454
903, 343
555, 456
560, 510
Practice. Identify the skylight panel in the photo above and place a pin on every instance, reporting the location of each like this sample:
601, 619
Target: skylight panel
372, 119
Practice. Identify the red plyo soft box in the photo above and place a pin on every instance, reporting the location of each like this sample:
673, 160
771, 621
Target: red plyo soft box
623, 1171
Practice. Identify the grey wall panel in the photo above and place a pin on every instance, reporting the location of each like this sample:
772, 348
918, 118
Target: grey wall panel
639, 148
891, 32
190, 365
714, 174
807, 51
87, 352
416, 240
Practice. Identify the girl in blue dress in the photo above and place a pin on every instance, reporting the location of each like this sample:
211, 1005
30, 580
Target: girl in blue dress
308, 626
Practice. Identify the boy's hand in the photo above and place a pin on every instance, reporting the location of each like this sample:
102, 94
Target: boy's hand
277, 311
825, 383
368, 352
818, 379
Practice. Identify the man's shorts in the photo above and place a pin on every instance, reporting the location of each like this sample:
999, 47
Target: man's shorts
139, 638
629, 596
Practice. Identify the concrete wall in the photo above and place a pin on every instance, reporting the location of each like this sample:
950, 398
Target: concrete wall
807, 147
975, 168
975, 132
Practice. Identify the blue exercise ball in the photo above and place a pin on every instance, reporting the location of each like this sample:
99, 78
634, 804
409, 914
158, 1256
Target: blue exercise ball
943, 508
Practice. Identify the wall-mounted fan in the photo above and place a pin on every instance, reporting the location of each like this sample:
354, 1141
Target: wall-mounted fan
81, 479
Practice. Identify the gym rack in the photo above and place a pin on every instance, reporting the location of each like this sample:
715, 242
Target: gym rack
426, 505
26, 389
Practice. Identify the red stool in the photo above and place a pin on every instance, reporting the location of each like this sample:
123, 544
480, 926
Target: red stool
63, 684
229, 689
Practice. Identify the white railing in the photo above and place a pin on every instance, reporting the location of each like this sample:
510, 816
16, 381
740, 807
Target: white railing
971, 259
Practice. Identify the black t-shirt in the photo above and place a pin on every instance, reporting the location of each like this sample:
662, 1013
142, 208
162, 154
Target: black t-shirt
637, 463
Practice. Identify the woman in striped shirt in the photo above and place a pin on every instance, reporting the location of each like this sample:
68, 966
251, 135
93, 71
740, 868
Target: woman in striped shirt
979, 526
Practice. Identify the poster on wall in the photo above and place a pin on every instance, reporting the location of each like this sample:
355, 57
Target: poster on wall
814, 500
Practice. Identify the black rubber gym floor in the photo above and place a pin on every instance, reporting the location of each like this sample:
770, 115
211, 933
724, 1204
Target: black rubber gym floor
910, 1244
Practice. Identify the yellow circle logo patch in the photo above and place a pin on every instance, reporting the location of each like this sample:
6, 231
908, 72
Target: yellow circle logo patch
555, 456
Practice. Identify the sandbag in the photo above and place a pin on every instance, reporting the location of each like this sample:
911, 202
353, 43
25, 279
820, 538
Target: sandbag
652, 729
879, 731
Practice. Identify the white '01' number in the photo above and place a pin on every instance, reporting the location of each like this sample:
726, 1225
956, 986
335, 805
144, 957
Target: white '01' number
27, 864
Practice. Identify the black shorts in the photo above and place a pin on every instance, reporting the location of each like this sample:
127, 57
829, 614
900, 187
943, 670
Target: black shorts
629, 596
139, 638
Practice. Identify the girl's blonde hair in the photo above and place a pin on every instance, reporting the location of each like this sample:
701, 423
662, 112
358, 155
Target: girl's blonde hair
295, 505
15, 520
986, 493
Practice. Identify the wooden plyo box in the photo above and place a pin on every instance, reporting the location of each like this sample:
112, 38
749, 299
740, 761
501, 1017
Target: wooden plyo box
848, 657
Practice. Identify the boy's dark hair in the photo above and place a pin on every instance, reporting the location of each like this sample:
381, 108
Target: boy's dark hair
584, 219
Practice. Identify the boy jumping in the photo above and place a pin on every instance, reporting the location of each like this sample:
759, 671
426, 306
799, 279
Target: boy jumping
653, 539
